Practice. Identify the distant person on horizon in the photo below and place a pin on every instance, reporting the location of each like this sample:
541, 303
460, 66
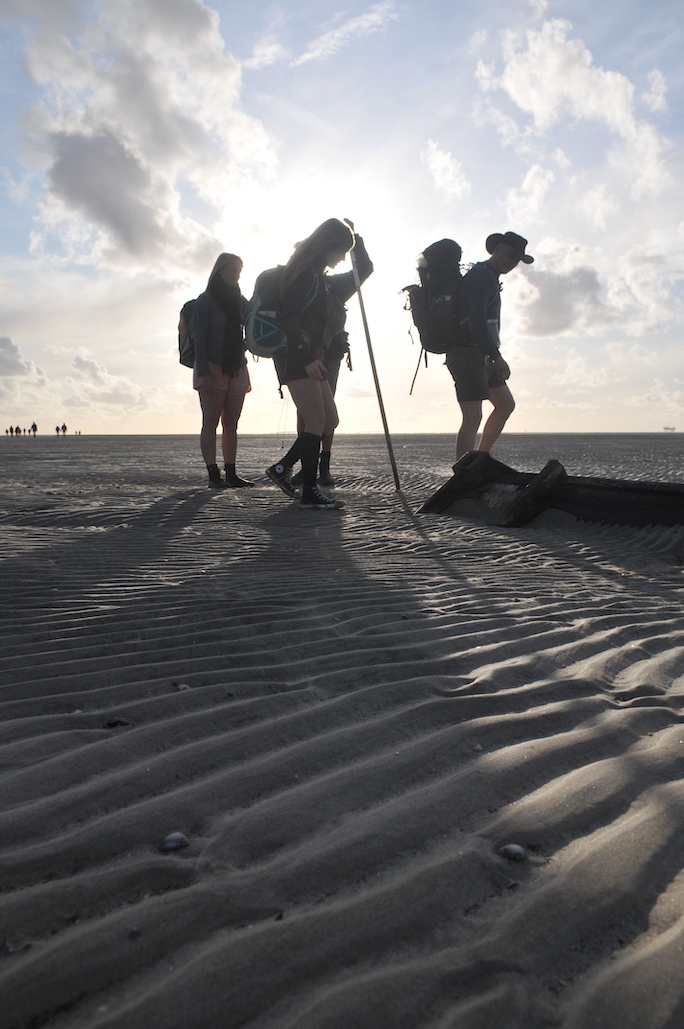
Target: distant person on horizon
312, 315
476, 365
34, 428
220, 374
64, 429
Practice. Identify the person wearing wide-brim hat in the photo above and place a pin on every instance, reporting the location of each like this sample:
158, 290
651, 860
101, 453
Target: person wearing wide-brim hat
476, 365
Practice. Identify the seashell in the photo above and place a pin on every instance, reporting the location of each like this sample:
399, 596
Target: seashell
513, 852
174, 841
184, 686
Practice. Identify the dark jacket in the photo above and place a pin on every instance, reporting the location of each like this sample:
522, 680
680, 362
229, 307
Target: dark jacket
209, 330
480, 309
312, 308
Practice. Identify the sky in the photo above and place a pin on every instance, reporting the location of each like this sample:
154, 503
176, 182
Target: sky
141, 138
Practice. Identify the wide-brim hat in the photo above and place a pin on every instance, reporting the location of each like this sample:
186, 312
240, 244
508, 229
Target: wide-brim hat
513, 240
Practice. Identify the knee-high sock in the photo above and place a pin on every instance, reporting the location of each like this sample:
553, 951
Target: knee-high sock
293, 454
310, 447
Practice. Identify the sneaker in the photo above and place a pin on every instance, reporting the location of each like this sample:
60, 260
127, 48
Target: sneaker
326, 479
280, 474
297, 479
314, 499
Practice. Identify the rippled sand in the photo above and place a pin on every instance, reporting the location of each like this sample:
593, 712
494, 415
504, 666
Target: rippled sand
348, 715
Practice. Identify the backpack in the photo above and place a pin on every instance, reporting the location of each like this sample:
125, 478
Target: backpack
186, 342
434, 303
263, 333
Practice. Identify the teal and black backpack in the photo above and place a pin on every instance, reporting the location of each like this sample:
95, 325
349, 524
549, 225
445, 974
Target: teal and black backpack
263, 334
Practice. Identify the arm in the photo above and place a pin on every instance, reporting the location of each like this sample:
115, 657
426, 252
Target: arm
200, 328
343, 286
478, 290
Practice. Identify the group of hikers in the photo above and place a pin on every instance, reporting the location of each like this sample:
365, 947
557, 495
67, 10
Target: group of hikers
16, 430
311, 314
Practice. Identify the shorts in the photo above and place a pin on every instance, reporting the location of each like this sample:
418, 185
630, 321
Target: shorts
292, 366
234, 386
471, 370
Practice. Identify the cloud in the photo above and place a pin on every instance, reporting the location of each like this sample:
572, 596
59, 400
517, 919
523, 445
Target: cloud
553, 78
97, 386
658, 393
375, 19
584, 291
598, 205
265, 53
12, 364
524, 205
139, 111
446, 171
655, 98
579, 375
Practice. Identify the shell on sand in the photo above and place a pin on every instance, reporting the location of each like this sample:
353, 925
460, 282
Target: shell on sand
174, 841
513, 852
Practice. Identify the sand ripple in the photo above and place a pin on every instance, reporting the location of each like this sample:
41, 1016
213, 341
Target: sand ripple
348, 715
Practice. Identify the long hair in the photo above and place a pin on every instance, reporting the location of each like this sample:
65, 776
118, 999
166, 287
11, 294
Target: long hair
219, 263
332, 233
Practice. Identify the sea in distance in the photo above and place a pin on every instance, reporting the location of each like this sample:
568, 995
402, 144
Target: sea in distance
655, 457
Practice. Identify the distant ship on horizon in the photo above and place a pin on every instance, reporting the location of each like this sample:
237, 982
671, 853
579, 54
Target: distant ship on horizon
668, 428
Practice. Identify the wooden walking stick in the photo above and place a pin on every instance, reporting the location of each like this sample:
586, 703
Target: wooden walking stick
388, 439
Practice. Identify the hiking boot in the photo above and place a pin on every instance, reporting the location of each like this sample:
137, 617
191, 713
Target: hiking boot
215, 480
280, 475
314, 499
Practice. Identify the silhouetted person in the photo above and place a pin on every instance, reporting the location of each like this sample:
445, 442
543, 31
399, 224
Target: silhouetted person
64, 429
478, 369
34, 428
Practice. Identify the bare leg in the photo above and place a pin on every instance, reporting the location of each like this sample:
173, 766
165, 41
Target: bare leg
230, 416
212, 405
472, 416
504, 405
315, 404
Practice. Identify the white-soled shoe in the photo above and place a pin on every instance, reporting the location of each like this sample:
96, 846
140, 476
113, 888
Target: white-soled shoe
280, 475
314, 499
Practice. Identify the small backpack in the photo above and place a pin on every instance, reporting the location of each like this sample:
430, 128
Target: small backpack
186, 342
434, 303
263, 333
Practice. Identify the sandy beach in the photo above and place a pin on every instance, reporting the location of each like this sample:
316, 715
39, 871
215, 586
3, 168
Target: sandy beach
429, 772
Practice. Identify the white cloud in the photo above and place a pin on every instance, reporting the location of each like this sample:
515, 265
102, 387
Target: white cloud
12, 363
95, 386
655, 98
583, 291
446, 171
579, 375
265, 53
658, 394
539, 7
599, 204
552, 78
524, 204
141, 106
376, 18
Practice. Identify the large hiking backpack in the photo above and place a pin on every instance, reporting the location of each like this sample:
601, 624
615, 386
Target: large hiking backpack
186, 342
263, 333
434, 303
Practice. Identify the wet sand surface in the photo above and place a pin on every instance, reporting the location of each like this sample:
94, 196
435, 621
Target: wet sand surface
429, 772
